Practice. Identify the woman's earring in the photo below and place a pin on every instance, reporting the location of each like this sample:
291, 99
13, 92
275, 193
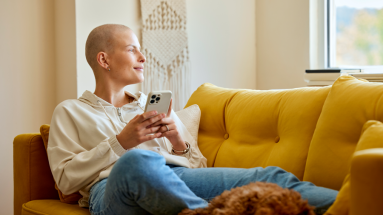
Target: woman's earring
108, 68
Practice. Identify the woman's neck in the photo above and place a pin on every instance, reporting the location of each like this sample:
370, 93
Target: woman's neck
115, 96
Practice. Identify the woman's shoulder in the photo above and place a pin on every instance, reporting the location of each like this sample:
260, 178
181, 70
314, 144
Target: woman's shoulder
69, 103
68, 106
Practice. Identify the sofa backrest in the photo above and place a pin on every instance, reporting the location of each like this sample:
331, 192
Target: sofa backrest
252, 128
349, 105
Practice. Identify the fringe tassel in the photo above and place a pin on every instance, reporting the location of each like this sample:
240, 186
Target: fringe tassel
176, 77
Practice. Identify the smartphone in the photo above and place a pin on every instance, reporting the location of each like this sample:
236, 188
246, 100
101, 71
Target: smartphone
159, 101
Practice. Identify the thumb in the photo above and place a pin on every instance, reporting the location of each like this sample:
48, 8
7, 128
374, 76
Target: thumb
170, 108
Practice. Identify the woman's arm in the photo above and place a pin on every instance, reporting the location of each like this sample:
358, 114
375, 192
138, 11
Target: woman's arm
195, 157
177, 135
73, 167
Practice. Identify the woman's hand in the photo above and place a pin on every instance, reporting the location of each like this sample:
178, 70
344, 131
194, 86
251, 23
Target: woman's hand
136, 131
172, 134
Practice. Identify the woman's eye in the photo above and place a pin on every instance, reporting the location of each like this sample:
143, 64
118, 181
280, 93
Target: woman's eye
131, 50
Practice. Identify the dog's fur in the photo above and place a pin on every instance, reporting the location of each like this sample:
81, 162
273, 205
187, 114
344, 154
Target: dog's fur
256, 199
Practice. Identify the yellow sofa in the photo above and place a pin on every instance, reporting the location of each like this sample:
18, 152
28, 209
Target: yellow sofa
311, 132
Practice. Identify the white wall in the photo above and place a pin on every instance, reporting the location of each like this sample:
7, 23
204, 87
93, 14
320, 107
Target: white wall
221, 39
93, 13
222, 42
65, 50
27, 83
282, 43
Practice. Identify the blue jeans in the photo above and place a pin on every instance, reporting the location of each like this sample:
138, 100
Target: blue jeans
142, 183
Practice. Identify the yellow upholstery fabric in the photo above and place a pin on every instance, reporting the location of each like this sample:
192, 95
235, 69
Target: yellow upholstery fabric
72, 198
212, 102
366, 182
52, 207
31, 173
350, 104
372, 137
249, 128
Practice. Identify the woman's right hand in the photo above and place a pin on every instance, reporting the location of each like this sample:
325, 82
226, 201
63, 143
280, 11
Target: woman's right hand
135, 132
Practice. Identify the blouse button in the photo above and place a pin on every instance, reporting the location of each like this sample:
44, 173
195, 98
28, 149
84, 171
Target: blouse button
226, 136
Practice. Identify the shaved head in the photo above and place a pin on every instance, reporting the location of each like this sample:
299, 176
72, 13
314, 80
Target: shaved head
101, 39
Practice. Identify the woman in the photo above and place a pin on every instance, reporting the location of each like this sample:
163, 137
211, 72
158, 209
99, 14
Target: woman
124, 161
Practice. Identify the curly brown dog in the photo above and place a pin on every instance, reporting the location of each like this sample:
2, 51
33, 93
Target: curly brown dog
256, 199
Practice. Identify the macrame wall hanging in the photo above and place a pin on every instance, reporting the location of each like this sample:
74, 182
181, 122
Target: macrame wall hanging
165, 46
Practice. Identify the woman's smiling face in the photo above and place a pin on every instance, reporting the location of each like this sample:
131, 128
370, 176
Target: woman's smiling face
126, 62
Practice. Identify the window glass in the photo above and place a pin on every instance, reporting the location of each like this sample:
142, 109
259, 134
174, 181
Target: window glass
356, 32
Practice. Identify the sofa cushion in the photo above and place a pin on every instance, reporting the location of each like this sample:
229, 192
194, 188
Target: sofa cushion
350, 104
212, 101
372, 137
52, 207
251, 128
190, 117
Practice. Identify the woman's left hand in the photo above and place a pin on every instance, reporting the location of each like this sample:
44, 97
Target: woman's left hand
172, 134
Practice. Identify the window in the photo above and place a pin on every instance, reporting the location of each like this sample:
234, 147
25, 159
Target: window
355, 34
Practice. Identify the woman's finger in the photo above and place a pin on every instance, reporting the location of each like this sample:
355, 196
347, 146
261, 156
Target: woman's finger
170, 108
150, 137
151, 121
169, 133
151, 130
165, 129
145, 116
164, 121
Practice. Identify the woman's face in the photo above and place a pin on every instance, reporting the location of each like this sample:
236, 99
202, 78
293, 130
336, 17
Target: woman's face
126, 62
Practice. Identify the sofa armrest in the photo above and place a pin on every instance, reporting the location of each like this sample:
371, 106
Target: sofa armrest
31, 172
367, 182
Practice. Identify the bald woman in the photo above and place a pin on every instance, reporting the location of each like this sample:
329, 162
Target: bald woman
123, 160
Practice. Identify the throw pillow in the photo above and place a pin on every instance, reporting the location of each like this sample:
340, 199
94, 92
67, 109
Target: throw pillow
189, 116
372, 137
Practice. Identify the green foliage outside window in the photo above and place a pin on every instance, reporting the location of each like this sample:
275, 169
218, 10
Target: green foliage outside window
359, 37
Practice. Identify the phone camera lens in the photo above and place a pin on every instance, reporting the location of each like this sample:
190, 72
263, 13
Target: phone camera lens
158, 98
153, 96
152, 101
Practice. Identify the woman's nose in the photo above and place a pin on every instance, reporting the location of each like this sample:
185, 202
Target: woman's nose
142, 58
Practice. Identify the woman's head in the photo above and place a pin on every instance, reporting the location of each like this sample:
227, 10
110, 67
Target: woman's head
113, 53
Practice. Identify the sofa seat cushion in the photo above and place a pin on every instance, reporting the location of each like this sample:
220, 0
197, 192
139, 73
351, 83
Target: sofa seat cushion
252, 128
349, 105
54, 207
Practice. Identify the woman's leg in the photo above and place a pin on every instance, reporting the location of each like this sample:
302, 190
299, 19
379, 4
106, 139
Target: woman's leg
141, 183
210, 182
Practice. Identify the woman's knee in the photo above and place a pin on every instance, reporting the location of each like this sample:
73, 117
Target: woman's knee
139, 156
135, 164
139, 159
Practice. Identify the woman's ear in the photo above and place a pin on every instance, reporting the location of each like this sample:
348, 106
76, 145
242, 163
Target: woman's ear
102, 60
